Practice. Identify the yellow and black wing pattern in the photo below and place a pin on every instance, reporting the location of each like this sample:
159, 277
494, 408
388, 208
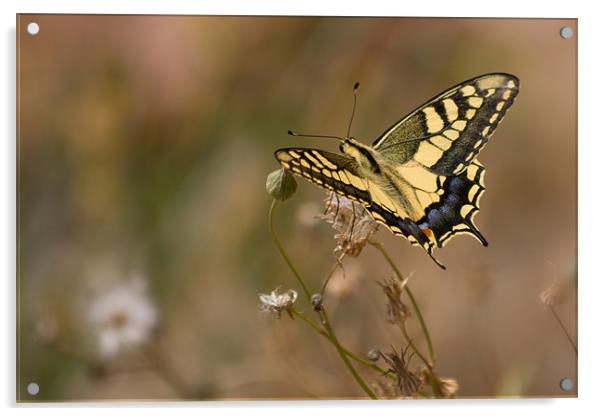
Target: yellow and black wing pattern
450, 214
429, 182
331, 171
446, 133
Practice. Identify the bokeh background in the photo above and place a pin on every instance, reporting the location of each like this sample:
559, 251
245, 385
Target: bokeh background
143, 147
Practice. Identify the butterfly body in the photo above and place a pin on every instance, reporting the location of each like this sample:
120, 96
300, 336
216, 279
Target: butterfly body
421, 177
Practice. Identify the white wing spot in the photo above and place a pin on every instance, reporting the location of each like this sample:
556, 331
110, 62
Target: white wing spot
493, 117
500, 105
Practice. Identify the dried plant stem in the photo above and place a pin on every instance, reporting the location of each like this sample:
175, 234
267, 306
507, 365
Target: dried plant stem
322, 313
343, 355
335, 266
415, 306
283, 253
430, 363
566, 332
351, 355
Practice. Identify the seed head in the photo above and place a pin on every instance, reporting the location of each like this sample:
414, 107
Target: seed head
275, 302
354, 225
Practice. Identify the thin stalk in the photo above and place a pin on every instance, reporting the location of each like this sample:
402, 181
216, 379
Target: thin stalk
325, 322
425, 330
336, 265
341, 351
566, 332
435, 385
351, 355
283, 253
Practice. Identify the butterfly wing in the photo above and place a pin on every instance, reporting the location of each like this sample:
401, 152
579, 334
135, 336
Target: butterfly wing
331, 171
446, 133
340, 174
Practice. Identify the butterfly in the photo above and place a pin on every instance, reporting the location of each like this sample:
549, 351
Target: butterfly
420, 178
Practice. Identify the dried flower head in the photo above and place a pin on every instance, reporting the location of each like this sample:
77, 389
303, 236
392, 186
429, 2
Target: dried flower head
275, 302
554, 295
353, 223
449, 386
374, 354
122, 317
397, 311
408, 382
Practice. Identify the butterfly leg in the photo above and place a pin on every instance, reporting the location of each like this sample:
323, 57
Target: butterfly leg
352, 221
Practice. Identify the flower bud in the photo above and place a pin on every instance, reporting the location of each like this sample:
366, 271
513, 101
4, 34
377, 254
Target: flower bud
316, 301
281, 184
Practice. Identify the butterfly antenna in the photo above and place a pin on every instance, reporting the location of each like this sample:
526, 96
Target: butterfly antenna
355, 87
321, 136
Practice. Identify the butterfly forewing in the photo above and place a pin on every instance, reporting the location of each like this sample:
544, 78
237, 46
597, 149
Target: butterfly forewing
330, 171
446, 134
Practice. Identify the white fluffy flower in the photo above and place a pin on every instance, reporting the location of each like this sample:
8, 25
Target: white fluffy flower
277, 302
123, 317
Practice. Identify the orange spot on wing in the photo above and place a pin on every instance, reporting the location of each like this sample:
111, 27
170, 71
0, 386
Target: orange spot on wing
428, 232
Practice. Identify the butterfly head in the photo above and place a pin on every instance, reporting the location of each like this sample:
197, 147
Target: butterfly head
362, 154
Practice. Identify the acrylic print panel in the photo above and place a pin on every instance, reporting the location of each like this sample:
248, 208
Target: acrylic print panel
153, 264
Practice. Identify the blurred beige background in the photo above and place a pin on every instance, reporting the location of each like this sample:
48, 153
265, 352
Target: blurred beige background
144, 143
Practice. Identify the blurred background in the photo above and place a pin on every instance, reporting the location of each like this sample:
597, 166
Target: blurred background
144, 144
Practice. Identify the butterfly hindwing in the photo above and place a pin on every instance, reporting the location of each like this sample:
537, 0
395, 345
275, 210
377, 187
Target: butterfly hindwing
456, 201
328, 170
446, 133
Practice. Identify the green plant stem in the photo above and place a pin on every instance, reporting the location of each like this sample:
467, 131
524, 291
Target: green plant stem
423, 326
283, 253
351, 355
341, 351
322, 313
435, 385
